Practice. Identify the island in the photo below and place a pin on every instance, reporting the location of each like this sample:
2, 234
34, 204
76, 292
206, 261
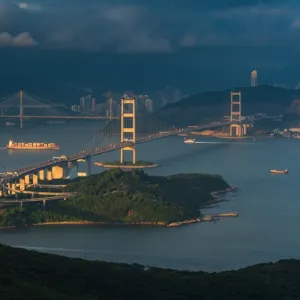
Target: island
126, 165
125, 197
35, 276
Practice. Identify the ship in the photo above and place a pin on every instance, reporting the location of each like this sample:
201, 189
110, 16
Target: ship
189, 141
279, 171
31, 146
7, 124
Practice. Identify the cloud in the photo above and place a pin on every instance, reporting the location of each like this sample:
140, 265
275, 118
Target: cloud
29, 6
23, 39
153, 26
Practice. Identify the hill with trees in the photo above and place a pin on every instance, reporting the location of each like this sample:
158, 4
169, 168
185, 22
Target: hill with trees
35, 276
117, 196
272, 100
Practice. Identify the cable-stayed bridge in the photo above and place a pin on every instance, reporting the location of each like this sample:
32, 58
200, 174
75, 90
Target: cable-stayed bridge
22, 105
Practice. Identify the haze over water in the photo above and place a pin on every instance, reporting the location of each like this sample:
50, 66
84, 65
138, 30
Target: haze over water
268, 205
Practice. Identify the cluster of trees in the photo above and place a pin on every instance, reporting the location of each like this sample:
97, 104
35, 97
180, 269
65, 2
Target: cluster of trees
32, 275
119, 196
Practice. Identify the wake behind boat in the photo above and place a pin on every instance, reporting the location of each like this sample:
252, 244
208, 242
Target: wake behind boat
274, 171
189, 141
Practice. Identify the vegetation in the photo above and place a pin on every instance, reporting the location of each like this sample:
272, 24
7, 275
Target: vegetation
138, 163
130, 197
32, 275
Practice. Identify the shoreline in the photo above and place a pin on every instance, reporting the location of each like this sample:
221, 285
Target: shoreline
205, 218
108, 166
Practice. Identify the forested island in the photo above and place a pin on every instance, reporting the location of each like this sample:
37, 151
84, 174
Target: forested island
35, 276
124, 197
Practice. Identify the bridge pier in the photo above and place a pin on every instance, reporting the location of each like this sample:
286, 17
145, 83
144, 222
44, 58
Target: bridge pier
21, 204
49, 175
35, 179
42, 174
13, 187
59, 172
44, 203
89, 165
22, 184
27, 179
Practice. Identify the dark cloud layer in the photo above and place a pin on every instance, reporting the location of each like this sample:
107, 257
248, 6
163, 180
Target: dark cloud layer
188, 43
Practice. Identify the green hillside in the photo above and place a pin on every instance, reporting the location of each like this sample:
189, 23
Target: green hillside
124, 197
29, 275
272, 100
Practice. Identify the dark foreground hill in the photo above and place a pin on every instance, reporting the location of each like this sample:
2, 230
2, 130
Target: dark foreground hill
36, 276
272, 100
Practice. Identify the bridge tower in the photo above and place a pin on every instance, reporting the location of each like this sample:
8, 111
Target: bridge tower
21, 108
236, 114
128, 126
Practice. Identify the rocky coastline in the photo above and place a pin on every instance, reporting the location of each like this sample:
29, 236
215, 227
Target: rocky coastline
205, 218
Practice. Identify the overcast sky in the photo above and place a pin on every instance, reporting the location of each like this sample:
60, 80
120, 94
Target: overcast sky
145, 45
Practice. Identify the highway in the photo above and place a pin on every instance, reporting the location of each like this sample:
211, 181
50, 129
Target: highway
18, 201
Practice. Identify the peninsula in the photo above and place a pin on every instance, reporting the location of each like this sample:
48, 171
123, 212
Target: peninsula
124, 197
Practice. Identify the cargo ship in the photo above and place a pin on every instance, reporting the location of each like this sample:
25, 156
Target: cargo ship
31, 146
189, 141
279, 171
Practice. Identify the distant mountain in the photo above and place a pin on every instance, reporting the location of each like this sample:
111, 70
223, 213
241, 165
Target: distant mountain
272, 100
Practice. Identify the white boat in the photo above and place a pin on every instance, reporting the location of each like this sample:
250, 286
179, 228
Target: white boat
189, 141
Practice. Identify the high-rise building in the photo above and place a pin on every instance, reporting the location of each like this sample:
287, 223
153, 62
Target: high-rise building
254, 78
93, 103
82, 104
88, 101
149, 105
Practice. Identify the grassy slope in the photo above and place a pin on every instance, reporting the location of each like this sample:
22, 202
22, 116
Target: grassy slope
31, 275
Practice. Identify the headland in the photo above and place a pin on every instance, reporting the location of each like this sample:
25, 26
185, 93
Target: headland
117, 197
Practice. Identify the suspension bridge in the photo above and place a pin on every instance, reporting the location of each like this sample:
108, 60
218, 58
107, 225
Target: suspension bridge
120, 133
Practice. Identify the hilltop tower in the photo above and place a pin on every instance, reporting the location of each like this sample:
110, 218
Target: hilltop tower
254, 78
128, 126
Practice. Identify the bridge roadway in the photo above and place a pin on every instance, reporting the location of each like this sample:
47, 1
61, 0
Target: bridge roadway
42, 199
60, 117
96, 151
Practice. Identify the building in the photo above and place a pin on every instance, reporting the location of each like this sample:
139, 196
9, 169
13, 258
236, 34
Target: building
149, 105
93, 103
254, 78
88, 101
82, 104
75, 108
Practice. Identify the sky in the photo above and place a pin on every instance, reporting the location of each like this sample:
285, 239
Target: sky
61, 48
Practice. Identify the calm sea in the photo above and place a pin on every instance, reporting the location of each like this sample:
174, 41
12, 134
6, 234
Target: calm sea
268, 205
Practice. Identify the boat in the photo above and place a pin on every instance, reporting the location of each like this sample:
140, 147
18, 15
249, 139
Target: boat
8, 124
279, 171
31, 146
189, 141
